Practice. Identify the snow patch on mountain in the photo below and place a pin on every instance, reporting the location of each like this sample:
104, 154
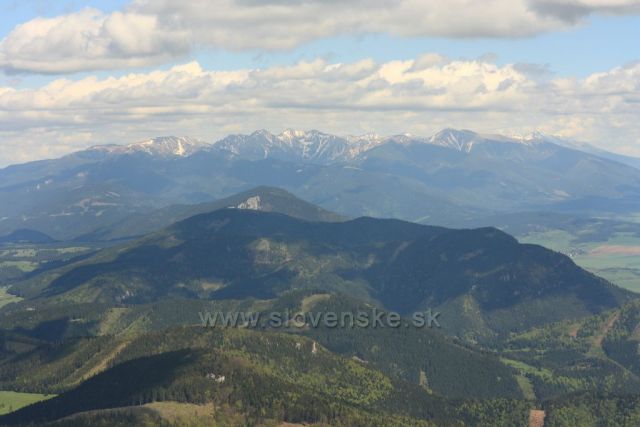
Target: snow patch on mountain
466, 140
459, 140
323, 148
166, 146
293, 144
318, 147
537, 137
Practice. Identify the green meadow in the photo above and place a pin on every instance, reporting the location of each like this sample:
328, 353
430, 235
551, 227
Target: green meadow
7, 298
12, 401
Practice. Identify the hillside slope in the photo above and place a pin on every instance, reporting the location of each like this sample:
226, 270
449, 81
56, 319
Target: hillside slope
264, 376
483, 280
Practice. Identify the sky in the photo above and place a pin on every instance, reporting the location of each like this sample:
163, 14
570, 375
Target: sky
80, 73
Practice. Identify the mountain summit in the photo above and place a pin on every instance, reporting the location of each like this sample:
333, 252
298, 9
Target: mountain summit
263, 198
292, 144
460, 140
165, 146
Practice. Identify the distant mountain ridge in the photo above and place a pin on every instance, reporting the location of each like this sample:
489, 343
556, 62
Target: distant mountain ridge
26, 236
446, 179
324, 147
314, 145
317, 146
161, 146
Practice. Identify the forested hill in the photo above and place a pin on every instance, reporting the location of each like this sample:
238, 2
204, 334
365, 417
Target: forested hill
486, 280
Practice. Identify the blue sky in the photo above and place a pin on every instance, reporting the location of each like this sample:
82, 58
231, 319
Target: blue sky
599, 44
570, 68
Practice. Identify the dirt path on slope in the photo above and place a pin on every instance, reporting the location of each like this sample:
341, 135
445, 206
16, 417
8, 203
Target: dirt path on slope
536, 418
597, 342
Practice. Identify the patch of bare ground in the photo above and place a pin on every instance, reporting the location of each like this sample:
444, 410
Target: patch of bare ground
636, 333
536, 418
175, 412
573, 332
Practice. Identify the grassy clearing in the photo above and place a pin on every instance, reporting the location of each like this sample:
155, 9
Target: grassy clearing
109, 323
17, 261
12, 401
7, 298
525, 369
527, 388
545, 374
176, 413
24, 266
310, 301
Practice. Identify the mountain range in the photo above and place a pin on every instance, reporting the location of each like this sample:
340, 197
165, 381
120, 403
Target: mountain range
446, 179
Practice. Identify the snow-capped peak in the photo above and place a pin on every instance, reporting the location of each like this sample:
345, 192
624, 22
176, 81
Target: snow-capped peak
290, 134
291, 144
406, 138
313, 145
167, 146
537, 137
460, 140
465, 140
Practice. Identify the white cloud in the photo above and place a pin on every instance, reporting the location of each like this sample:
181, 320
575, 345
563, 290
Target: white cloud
90, 40
419, 96
574, 10
154, 31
